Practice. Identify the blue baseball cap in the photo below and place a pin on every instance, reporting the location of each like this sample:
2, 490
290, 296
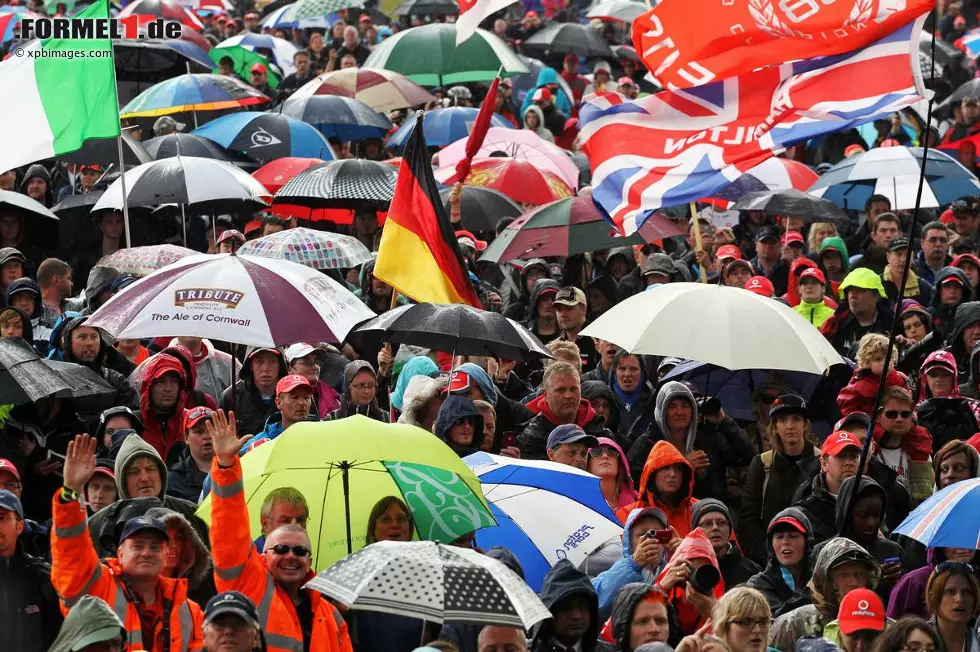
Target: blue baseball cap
11, 503
570, 434
143, 524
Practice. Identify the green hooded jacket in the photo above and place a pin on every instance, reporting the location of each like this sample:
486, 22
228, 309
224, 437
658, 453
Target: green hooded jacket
89, 621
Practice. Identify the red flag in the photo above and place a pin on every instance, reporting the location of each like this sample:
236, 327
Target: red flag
734, 38
479, 131
472, 13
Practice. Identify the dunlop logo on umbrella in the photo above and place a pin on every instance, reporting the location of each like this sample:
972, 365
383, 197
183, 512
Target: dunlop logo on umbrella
227, 298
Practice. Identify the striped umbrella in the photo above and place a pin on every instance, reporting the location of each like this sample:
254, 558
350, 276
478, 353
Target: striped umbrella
443, 126
382, 90
198, 92
9, 17
545, 512
894, 173
282, 50
783, 174
141, 261
149, 10
522, 181
970, 43
946, 519
316, 249
234, 299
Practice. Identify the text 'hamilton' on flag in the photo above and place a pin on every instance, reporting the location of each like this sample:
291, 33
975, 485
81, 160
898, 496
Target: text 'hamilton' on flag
681, 146
418, 254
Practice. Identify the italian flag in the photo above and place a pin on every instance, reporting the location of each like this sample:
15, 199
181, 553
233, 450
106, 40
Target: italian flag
52, 103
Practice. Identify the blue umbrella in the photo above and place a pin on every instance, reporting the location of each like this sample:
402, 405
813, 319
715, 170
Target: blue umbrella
443, 126
343, 118
545, 512
267, 136
948, 518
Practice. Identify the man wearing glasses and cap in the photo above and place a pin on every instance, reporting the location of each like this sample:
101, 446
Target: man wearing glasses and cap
231, 624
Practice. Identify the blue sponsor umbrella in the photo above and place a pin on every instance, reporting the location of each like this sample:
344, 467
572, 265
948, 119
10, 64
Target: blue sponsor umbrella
267, 136
443, 126
948, 518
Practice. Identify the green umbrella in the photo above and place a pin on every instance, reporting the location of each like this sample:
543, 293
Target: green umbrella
343, 468
51, 6
244, 60
320, 8
428, 55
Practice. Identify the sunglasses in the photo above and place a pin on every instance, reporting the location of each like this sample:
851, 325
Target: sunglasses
282, 549
197, 413
954, 565
599, 451
894, 414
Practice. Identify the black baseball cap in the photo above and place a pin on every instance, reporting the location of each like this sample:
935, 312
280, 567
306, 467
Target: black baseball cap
767, 232
143, 524
899, 244
787, 404
231, 602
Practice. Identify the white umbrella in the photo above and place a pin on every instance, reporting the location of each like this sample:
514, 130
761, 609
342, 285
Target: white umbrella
729, 327
624, 10
240, 299
282, 50
24, 204
432, 581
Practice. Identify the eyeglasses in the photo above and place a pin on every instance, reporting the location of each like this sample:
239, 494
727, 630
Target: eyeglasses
894, 414
751, 623
12, 486
599, 451
282, 549
954, 565
719, 523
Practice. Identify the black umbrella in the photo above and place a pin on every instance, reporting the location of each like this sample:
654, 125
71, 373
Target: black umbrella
792, 203
428, 8
339, 184
24, 377
341, 118
482, 209
105, 152
193, 145
455, 328
143, 60
569, 38
88, 391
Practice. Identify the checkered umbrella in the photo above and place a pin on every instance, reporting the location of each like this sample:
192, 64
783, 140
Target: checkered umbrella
316, 249
338, 183
317, 8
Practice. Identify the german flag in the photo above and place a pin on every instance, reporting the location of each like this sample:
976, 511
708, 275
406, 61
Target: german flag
418, 254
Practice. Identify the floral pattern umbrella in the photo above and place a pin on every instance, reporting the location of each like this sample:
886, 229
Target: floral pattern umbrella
141, 261
316, 249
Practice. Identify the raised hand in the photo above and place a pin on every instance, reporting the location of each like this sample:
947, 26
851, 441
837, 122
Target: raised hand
224, 437
79, 462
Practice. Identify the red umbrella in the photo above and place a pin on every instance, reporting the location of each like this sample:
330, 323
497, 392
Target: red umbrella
335, 215
518, 179
150, 10
276, 174
382, 90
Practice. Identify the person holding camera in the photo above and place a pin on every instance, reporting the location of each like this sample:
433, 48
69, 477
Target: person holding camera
646, 539
692, 581
714, 519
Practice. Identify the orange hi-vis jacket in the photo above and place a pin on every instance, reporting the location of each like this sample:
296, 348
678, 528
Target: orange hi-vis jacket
239, 567
77, 571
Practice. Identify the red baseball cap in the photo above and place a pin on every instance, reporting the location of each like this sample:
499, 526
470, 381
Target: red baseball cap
835, 444
258, 67
729, 251
195, 415
251, 16
625, 81
851, 150
531, 14
786, 520
8, 466
813, 272
288, 383
761, 286
541, 94
458, 381
478, 244
571, 57
861, 609
791, 237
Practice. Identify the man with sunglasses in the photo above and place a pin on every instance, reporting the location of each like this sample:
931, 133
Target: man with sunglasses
292, 618
904, 446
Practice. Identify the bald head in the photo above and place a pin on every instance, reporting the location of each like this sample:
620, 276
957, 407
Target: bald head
290, 534
495, 638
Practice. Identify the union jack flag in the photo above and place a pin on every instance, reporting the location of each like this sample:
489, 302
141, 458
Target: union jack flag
678, 146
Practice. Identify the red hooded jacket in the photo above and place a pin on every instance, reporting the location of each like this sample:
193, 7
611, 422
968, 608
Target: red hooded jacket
163, 435
695, 545
664, 454
859, 395
585, 414
792, 295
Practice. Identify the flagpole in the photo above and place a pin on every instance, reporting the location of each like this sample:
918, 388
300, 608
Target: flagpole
454, 196
119, 148
696, 223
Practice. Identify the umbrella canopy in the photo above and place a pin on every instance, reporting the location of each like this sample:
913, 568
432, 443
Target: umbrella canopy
428, 55
521, 144
234, 299
374, 460
243, 60
626, 52
382, 90
24, 378
9, 17
337, 117
266, 136
570, 38
202, 182
15, 202
197, 92
456, 328
276, 174
181, 144
76, 205
87, 389
141, 261
567, 227
139, 60
442, 587
481, 209
522, 181
618, 10
340, 183
792, 203
545, 512
105, 152
894, 173
947, 518
784, 174
316, 249
442, 126
727, 330
282, 50
318, 8
148, 10
428, 8
524, 82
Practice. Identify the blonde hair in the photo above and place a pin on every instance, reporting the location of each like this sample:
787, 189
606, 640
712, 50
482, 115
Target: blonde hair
870, 347
568, 348
740, 602
811, 241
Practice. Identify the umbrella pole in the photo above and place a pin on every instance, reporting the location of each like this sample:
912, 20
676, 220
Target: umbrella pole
194, 113
696, 223
183, 223
125, 200
345, 469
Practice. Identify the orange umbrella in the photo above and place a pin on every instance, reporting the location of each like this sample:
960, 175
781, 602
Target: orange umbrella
518, 179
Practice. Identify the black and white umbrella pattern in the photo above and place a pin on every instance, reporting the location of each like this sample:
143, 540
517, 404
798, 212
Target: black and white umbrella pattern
345, 180
432, 581
191, 180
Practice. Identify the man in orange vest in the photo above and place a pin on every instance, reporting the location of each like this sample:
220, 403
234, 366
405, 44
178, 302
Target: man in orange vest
155, 610
293, 619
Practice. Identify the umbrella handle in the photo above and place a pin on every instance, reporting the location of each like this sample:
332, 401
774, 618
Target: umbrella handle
345, 470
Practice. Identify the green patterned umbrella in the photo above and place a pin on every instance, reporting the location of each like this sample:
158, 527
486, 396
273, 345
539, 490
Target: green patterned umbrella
319, 8
428, 55
343, 468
